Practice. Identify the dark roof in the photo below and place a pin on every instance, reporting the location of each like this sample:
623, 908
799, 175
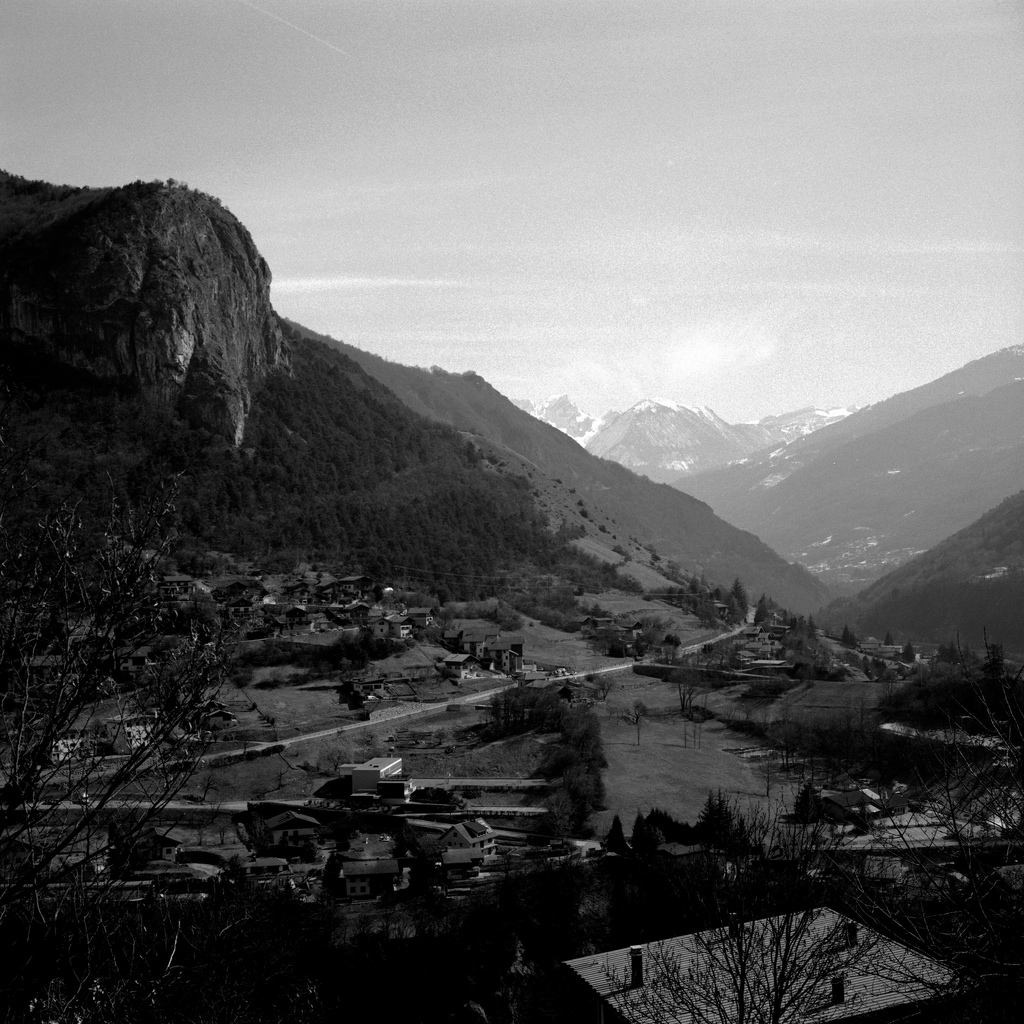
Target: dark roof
358, 868
461, 856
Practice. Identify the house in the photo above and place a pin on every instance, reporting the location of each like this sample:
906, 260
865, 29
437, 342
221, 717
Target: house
239, 608
132, 732
593, 623
154, 844
461, 666
290, 828
355, 611
506, 654
74, 743
174, 587
365, 879
474, 641
423, 618
862, 805
399, 626
226, 588
469, 835
456, 863
839, 971
378, 626
133, 659
266, 867
299, 591
41, 668
356, 586
364, 687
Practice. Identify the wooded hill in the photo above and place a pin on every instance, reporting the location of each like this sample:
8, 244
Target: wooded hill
678, 526
971, 585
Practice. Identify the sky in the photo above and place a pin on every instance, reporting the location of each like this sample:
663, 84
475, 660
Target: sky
749, 206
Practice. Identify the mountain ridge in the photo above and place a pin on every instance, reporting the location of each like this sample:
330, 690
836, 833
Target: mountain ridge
678, 526
942, 453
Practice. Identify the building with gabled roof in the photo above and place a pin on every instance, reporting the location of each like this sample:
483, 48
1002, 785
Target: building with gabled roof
365, 879
469, 835
837, 970
290, 828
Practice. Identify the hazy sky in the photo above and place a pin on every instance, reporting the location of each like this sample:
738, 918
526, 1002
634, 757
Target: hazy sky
749, 206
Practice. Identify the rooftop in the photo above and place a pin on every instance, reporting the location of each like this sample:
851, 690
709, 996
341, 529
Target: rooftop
684, 977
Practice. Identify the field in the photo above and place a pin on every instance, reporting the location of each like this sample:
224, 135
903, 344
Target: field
665, 770
669, 771
817, 698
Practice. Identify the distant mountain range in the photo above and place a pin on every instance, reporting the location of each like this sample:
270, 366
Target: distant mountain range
562, 412
664, 440
859, 497
970, 586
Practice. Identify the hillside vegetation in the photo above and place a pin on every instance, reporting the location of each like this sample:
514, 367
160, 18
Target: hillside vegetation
678, 526
971, 585
332, 466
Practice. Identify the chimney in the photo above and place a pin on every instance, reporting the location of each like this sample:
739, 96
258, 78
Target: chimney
838, 989
636, 966
851, 934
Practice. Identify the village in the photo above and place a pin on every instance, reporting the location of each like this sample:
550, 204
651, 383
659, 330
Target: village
280, 795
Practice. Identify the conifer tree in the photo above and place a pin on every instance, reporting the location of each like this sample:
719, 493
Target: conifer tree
807, 806
616, 839
739, 593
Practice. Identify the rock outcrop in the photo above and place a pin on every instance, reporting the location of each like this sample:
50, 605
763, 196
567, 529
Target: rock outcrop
152, 286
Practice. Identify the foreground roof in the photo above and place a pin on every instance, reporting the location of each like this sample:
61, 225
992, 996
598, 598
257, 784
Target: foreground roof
878, 973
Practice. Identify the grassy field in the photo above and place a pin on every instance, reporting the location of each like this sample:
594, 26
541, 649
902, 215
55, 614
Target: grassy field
666, 769
853, 697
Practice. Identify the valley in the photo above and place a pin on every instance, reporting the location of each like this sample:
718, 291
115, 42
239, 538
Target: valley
293, 630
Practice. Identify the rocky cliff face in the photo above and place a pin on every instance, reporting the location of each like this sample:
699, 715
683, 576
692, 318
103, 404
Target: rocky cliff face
151, 285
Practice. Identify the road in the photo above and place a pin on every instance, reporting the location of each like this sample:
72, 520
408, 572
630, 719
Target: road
426, 709
418, 709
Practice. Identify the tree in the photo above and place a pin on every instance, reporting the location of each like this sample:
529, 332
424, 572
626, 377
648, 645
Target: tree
848, 639
807, 805
908, 655
888, 639
75, 608
761, 611
635, 716
739, 595
615, 841
643, 840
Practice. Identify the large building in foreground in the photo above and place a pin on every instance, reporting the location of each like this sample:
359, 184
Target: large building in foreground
807, 967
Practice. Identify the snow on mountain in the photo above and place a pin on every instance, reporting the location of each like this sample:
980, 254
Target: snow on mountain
562, 412
664, 439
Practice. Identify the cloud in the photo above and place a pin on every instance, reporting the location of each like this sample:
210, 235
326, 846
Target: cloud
720, 345
337, 284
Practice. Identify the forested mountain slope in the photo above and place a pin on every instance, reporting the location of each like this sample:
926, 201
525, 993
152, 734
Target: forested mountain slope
970, 585
332, 466
677, 525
